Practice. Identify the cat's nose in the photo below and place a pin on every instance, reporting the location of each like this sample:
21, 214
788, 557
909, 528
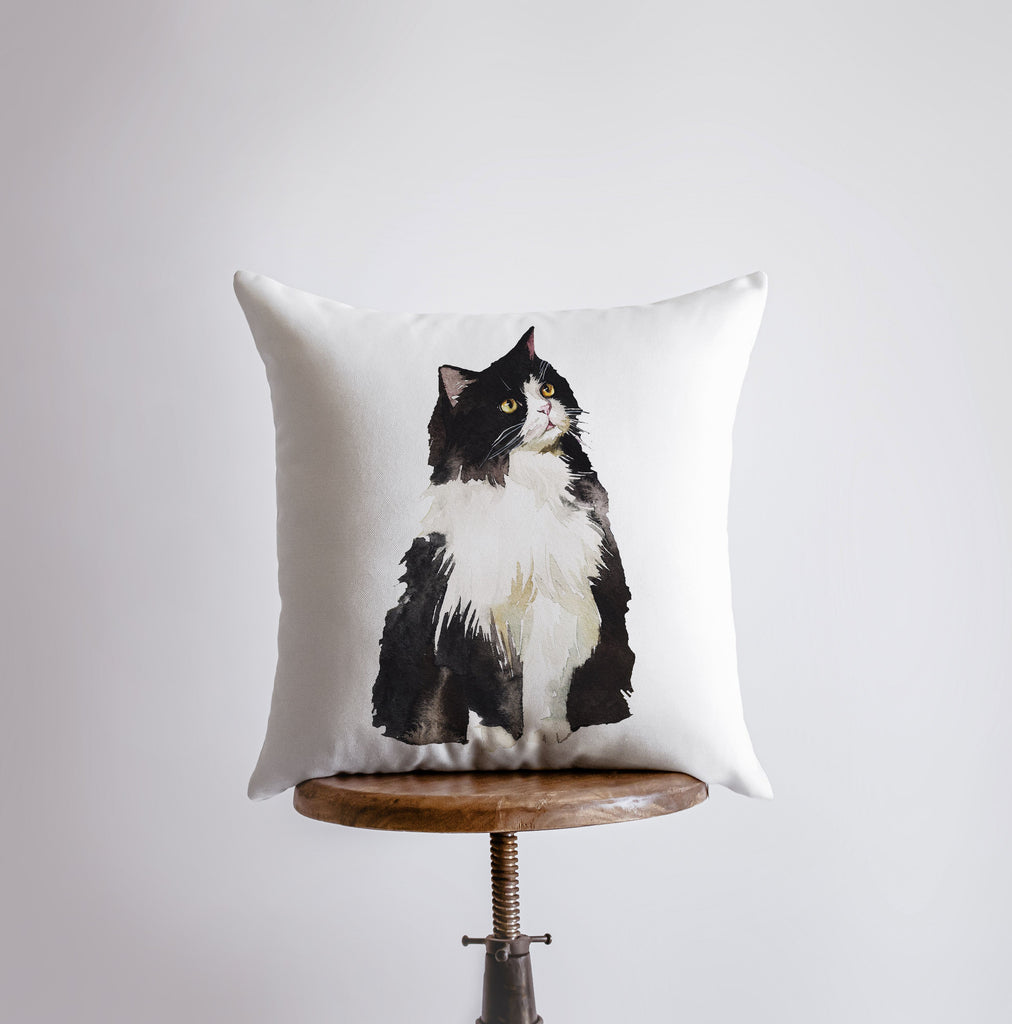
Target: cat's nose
546, 408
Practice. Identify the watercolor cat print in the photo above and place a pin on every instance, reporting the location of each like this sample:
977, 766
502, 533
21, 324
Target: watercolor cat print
512, 618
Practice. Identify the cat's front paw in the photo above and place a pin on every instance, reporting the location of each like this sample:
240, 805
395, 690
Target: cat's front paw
492, 737
554, 730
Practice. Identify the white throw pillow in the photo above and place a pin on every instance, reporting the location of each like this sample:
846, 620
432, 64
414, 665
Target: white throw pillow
502, 539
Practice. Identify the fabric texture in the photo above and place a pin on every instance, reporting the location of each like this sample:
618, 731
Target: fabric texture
502, 539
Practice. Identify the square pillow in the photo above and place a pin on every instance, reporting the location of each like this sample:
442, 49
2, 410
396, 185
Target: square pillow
502, 539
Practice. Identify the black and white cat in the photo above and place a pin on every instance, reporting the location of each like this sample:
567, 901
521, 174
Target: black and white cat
513, 612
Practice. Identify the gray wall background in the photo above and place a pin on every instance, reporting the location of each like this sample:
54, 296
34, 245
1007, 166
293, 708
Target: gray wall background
431, 156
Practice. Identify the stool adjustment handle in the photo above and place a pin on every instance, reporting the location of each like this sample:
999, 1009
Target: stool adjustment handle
503, 949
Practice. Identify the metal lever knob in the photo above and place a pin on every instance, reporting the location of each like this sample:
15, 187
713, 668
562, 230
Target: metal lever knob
501, 949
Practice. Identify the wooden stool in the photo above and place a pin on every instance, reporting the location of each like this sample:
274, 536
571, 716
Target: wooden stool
502, 804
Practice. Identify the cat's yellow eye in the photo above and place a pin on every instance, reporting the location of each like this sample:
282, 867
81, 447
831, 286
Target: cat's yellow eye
547, 390
508, 405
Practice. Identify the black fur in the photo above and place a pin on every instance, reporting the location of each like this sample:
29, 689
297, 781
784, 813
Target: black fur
423, 694
600, 686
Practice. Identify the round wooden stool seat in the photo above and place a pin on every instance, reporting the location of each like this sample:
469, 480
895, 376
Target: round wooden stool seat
515, 801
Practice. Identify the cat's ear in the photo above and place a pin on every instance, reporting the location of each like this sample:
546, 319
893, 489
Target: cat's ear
453, 380
525, 346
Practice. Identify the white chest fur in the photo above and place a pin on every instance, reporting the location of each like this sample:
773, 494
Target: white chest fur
522, 557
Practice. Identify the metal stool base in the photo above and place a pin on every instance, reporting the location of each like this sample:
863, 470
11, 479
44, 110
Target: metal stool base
508, 986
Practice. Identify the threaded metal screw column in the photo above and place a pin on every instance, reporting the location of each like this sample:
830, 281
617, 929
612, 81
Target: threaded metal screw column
505, 885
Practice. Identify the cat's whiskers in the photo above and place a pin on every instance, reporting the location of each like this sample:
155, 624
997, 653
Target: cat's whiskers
504, 432
507, 439
502, 449
575, 422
